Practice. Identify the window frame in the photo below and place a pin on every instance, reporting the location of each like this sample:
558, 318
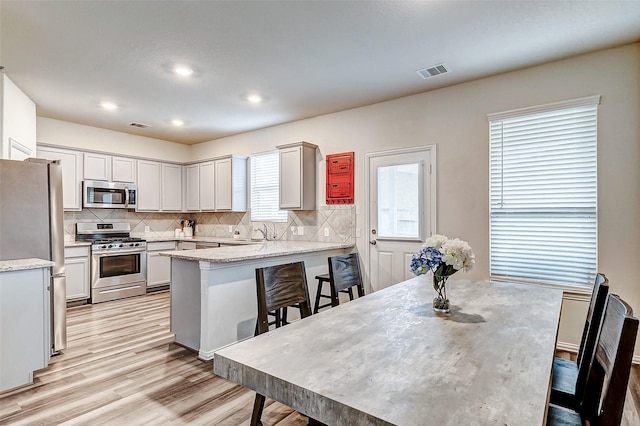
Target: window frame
273, 215
546, 209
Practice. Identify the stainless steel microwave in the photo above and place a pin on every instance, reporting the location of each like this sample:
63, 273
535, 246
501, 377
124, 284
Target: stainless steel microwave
109, 195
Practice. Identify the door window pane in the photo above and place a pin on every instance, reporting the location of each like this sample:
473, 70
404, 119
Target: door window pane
398, 201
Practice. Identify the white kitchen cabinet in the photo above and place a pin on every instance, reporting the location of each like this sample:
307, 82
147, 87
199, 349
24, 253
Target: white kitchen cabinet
97, 166
192, 187
230, 183
72, 172
158, 267
298, 176
123, 169
207, 188
77, 268
171, 198
159, 186
24, 325
148, 185
109, 168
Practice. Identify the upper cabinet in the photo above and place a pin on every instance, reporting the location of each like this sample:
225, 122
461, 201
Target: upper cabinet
171, 188
97, 166
123, 169
148, 185
298, 176
217, 185
192, 187
230, 182
109, 168
207, 198
159, 186
17, 122
72, 166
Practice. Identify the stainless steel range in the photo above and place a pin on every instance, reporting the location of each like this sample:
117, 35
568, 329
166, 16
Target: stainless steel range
118, 261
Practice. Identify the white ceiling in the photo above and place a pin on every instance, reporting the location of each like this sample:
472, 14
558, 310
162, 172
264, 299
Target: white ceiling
306, 58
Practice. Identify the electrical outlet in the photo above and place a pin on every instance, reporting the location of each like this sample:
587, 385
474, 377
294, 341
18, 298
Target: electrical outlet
294, 230
147, 229
230, 228
326, 232
300, 230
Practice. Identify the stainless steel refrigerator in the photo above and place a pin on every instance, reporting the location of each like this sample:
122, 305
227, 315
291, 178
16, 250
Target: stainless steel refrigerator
31, 225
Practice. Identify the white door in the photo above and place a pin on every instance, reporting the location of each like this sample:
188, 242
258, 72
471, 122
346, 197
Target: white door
401, 200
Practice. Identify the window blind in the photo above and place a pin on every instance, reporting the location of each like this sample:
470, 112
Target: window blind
543, 195
265, 188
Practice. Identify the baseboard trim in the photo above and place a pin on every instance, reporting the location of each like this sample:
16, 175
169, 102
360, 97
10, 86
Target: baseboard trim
571, 347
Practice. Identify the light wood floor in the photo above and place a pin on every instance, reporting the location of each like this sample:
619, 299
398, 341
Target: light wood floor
121, 368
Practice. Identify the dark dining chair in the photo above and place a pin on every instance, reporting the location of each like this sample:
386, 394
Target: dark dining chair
569, 377
608, 375
278, 287
346, 275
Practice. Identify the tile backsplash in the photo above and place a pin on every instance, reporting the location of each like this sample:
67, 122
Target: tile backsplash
328, 223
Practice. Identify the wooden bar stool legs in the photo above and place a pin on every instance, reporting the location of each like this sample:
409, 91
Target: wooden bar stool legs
324, 278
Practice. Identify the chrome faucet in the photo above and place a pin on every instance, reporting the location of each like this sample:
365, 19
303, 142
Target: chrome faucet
263, 230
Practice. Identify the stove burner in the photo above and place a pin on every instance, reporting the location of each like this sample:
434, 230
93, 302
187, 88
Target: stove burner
116, 240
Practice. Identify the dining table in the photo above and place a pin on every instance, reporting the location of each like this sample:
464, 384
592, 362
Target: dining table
389, 359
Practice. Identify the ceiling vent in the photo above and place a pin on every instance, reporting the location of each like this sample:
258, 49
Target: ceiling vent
433, 71
140, 125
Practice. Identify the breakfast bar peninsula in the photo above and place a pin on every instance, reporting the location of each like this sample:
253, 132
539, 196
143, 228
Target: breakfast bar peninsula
213, 291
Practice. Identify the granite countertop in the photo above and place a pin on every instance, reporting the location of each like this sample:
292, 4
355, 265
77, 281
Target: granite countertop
254, 251
24, 264
155, 239
197, 239
74, 243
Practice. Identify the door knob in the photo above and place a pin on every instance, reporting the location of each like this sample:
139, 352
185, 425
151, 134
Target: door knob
373, 242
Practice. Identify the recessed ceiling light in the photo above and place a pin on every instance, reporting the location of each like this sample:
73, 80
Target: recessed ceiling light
108, 105
182, 70
254, 99
177, 122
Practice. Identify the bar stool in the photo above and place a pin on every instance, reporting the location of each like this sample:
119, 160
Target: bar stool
322, 279
346, 275
278, 287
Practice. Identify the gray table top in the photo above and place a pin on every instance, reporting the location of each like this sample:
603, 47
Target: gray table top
388, 358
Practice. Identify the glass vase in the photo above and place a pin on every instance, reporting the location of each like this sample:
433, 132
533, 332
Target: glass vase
440, 301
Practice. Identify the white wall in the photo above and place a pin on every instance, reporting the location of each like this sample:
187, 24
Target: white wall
18, 122
72, 135
455, 118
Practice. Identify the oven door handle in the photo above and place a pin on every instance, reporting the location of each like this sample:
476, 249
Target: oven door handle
119, 252
126, 197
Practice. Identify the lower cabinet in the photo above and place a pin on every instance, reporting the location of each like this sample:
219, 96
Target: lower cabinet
77, 267
24, 325
158, 267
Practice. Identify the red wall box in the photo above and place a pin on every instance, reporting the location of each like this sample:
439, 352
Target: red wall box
340, 178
